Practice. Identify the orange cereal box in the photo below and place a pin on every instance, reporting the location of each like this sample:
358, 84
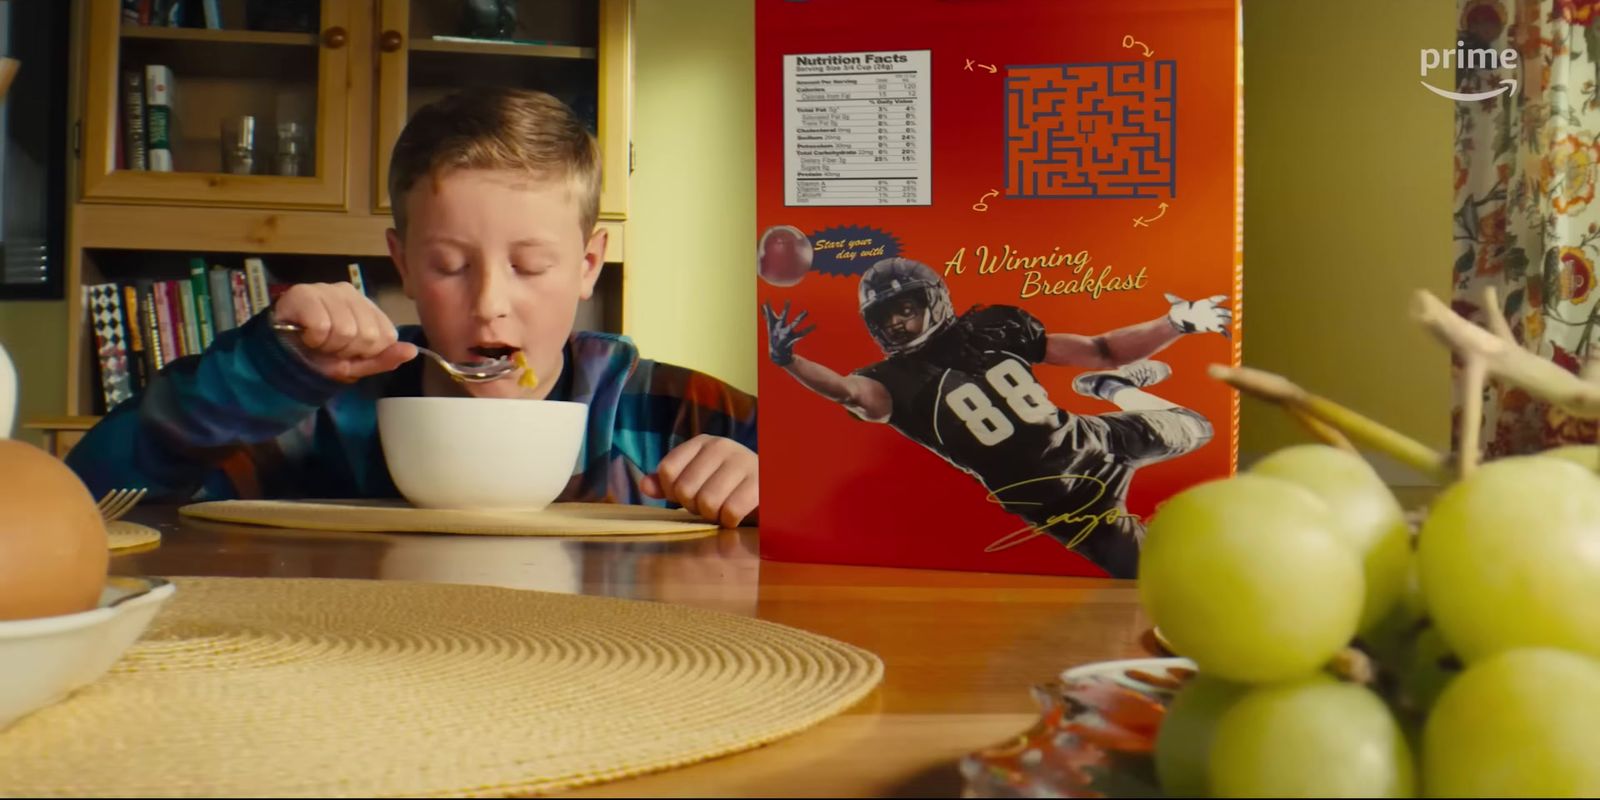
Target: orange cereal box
998, 244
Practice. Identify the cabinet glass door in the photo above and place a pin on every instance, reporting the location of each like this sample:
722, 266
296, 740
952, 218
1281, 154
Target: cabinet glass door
575, 50
218, 102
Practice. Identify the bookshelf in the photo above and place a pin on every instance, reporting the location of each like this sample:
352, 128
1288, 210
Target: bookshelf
349, 73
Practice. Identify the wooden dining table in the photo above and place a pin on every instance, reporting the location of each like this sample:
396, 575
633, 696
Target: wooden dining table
960, 649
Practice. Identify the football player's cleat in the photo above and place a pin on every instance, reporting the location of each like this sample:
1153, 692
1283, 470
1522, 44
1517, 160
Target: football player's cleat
1105, 383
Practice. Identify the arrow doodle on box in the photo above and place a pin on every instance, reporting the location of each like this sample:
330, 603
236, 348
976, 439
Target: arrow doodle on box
1141, 222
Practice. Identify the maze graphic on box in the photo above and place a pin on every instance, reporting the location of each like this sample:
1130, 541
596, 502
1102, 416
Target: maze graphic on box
1092, 131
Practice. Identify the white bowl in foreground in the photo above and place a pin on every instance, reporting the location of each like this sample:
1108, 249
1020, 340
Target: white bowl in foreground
480, 453
44, 660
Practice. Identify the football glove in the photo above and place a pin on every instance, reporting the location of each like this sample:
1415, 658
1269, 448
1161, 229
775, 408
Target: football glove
1200, 316
783, 333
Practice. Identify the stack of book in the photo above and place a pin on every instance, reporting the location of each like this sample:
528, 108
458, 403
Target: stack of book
173, 13
141, 326
146, 140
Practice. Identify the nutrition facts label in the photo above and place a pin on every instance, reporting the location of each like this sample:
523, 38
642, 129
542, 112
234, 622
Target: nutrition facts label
856, 129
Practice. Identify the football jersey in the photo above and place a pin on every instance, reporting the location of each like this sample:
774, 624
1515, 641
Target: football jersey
970, 395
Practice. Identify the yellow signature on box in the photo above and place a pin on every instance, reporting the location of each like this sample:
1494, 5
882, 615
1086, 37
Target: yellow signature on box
1090, 522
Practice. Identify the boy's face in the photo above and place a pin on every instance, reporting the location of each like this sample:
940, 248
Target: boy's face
901, 319
496, 262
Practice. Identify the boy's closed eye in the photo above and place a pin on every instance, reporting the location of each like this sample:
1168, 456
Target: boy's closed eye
445, 262
533, 257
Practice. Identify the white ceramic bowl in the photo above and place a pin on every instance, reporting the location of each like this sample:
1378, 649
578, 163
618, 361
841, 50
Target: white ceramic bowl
477, 453
42, 661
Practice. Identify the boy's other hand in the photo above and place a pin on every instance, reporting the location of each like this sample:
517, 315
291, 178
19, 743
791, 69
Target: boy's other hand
346, 337
712, 476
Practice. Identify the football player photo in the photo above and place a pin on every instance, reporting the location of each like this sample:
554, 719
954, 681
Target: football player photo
963, 387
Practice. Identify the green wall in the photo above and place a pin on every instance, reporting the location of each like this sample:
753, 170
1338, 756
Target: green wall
691, 218
33, 333
1348, 169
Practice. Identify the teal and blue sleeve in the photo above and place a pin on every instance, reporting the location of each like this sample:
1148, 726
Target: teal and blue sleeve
206, 422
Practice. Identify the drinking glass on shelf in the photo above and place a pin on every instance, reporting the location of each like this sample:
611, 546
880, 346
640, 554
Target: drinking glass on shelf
291, 146
239, 145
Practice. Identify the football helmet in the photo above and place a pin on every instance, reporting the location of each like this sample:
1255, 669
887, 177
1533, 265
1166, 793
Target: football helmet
895, 277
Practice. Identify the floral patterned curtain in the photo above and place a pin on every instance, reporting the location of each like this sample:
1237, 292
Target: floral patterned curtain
1527, 221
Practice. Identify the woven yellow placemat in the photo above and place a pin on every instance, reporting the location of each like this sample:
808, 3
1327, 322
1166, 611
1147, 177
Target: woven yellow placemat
124, 535
380, 516
267, 687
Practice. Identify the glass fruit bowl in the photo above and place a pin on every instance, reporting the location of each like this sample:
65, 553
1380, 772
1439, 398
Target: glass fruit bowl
1095, 736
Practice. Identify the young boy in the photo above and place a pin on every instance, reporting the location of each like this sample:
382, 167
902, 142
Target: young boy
496, 194
963, 387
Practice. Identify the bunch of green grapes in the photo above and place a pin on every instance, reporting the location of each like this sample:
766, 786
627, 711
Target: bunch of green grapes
1339, 655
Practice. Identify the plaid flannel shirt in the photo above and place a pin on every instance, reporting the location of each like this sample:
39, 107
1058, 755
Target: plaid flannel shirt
249, 419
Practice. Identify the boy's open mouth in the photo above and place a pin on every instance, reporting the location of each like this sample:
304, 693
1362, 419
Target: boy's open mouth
494, 350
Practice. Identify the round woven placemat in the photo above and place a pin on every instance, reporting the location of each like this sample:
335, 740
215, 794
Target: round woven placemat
265, 687
383, 516
124, 535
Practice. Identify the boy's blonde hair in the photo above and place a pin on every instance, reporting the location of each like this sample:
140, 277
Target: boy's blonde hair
493, 128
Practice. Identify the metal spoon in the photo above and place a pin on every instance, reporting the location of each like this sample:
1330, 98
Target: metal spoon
492, 369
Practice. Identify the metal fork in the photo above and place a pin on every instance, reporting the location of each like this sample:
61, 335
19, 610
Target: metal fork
118, 503
491, 369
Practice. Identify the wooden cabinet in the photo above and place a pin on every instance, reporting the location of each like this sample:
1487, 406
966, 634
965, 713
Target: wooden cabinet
584, 58
300, 78
326, 86
60, 433
349, 84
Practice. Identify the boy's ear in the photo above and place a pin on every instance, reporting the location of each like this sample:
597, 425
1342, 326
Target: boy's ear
594, 257
397, 254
